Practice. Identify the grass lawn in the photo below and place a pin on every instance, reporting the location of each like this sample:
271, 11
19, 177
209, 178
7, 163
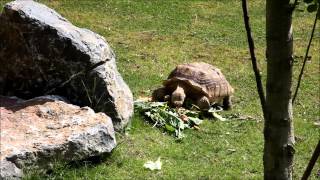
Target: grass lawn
150, 37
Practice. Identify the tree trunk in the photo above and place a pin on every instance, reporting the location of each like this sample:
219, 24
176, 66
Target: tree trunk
278, 130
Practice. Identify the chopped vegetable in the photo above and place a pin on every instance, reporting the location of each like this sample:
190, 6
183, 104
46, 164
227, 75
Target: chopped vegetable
173, 120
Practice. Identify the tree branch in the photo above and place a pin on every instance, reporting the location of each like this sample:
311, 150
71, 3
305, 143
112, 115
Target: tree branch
253, 58
294, 5
312, 162
305, 58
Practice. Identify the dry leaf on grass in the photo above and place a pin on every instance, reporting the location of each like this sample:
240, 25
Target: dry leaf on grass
153, 165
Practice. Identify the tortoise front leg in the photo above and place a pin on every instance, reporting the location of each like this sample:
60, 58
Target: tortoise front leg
203, 103
159, 94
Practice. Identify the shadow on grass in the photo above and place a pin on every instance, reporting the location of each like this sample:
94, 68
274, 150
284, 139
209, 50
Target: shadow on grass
59, 169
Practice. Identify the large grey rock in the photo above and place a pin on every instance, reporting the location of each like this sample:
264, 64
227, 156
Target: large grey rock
41, 53
42, 131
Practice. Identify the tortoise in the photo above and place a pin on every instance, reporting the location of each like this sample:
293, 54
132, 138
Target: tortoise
203, 83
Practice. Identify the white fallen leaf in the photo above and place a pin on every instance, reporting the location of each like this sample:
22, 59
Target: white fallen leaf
216, 115
153, 165
317, 123
231, 150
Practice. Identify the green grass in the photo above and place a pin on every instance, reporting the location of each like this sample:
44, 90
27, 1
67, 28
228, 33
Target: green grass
150, 37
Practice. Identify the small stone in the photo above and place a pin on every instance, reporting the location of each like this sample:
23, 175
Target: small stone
9, 171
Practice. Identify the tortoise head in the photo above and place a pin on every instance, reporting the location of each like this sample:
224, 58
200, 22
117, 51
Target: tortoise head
178, 97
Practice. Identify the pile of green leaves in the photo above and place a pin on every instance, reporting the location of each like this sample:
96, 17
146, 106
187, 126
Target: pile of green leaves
170, 119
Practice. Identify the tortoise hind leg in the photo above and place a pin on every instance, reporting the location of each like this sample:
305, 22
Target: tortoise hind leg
227, 104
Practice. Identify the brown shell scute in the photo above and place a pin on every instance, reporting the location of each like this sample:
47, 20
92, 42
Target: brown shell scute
202, 78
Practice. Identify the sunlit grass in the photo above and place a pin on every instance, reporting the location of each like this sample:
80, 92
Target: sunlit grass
150, 38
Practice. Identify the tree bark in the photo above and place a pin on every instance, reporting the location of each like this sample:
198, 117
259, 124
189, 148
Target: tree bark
278, 130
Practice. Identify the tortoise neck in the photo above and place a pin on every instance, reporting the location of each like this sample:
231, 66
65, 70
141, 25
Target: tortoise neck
180, 88
178, 96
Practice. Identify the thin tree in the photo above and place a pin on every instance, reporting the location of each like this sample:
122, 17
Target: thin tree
278, 128
277, 105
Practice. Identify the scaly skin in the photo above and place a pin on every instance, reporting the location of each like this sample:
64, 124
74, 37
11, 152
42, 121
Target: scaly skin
178, 96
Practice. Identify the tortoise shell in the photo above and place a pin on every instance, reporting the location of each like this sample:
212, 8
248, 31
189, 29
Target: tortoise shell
200, 78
